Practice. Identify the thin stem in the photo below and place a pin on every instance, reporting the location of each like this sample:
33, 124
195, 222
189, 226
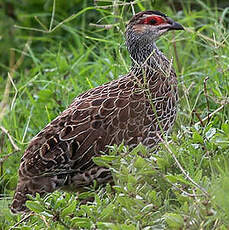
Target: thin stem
16, 148
53, 15
181, 168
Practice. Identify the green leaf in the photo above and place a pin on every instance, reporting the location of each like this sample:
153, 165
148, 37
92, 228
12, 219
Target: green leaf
85, 195
210, 133
105, 225
47, 214
60, 202
25, 228
70, 209
140, 149
81, 222
107, 211
225, 128
197, 138
104, 160
198, 176
176, 178
162, 163
139, 163
34, 206
174, 221
44, 94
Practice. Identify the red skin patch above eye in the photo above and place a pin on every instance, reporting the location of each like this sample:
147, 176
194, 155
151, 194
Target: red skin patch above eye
158, 20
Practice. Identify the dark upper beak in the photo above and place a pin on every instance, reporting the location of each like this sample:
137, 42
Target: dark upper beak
176, 26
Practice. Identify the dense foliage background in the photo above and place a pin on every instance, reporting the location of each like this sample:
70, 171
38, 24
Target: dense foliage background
51, 51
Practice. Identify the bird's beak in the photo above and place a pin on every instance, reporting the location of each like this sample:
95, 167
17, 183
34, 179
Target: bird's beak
176, 26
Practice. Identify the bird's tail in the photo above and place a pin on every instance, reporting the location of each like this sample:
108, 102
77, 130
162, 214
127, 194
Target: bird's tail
20, 197
31, 186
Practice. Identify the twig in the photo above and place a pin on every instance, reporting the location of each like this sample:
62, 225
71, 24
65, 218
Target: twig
2, 159
22, 220
118, 4
68, 19
115, 9
132, 7
211, 114
206, 96
53, 15
107, 27
205, 37
190, 86
13, 67
21, 58
27, 124
198, 116
45, 221
16, 91
58, 219
40, 23
3, 103
2, 139
186, 97
16, 148
181, 168
183, 191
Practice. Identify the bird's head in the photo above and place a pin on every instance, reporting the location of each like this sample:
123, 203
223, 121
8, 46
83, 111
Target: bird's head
147, 26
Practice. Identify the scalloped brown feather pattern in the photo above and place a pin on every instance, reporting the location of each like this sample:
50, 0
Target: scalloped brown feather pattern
132, 109
61, 154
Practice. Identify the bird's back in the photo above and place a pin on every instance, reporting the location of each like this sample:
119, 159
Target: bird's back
139, 107
62, 152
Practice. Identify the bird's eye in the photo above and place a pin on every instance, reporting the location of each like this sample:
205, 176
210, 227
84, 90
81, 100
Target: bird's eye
152, 22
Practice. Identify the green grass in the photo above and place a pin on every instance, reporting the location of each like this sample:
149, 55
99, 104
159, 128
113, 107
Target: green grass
185, 185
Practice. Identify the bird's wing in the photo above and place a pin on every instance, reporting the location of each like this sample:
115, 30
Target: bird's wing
106, 115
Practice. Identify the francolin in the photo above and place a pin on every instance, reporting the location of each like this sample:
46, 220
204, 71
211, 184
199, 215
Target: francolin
136, 108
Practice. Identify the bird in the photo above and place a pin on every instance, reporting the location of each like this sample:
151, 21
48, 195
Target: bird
137, 107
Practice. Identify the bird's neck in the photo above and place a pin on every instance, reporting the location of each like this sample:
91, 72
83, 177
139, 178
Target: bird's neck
142, 53
146, 57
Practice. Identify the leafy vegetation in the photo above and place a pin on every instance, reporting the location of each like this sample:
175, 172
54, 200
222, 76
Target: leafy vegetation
56, 53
